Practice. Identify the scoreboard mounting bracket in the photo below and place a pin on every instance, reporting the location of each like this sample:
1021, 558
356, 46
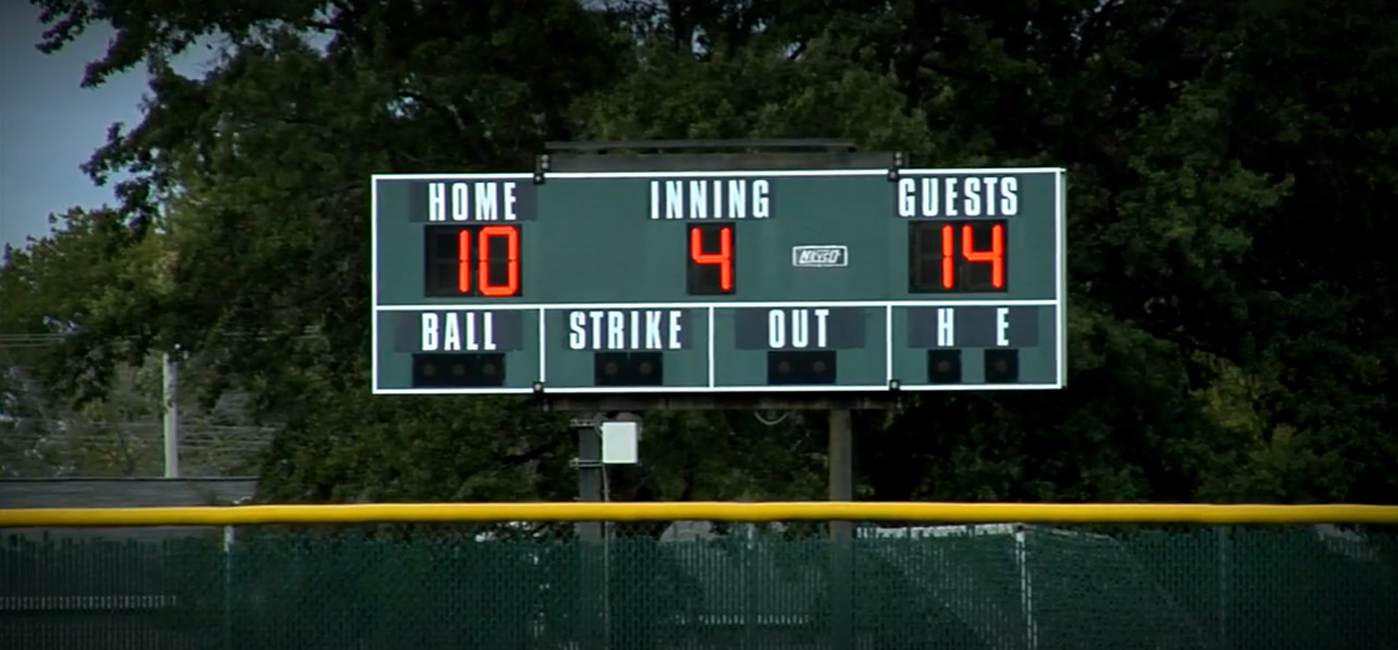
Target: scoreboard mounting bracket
809, 277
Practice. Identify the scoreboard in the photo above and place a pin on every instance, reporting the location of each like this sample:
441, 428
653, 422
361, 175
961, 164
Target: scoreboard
713, 281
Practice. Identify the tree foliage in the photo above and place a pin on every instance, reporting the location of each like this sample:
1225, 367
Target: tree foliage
1231, 176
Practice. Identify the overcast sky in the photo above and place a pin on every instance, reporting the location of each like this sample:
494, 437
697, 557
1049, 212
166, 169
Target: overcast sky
49, 125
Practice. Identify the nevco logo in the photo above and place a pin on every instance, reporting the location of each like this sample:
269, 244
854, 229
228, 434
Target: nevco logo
819, 256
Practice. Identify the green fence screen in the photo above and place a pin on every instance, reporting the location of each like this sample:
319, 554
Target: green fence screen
695, 586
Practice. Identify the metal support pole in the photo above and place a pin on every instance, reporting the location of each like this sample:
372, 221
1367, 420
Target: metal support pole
841, 582
591, 612
228, 537
1026, 589
172, 415
624, 611
1223, 534
841, 463
589, 478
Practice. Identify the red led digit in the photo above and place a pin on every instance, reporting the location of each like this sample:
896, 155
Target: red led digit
996, 254
948, 261
723, 258
463, 269
511, 286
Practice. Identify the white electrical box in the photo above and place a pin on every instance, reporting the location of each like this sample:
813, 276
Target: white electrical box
620, 441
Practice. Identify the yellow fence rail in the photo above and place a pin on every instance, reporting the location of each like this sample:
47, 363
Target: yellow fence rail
967, 513
1246, 577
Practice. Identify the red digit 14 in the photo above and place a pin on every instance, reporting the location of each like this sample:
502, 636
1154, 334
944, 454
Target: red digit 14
995, 256
723, 258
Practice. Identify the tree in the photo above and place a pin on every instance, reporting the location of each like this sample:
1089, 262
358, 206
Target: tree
82, 393
1221, 349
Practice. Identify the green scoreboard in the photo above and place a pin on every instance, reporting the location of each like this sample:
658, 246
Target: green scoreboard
738, 281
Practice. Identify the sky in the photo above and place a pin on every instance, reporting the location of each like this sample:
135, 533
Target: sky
50, 125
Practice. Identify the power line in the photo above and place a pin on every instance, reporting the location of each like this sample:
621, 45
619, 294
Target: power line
191, 422
28, 340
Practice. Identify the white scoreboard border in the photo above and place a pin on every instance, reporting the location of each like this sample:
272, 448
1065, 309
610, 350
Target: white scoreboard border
1058, 303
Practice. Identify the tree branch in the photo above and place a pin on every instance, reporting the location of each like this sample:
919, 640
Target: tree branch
796, 53
533, 454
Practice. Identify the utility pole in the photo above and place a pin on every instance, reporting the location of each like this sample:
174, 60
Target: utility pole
170, 402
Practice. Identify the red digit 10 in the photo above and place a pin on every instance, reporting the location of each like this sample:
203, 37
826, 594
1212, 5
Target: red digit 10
723, 258
463, 274
995, 256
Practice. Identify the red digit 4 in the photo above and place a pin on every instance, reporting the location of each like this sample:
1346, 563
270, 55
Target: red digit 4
723, 258
995, 256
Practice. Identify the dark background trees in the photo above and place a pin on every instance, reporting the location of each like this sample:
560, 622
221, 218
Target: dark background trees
1232, 176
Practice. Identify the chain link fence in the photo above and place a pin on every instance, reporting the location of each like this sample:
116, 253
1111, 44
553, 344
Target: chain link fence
703, 585
123, 435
